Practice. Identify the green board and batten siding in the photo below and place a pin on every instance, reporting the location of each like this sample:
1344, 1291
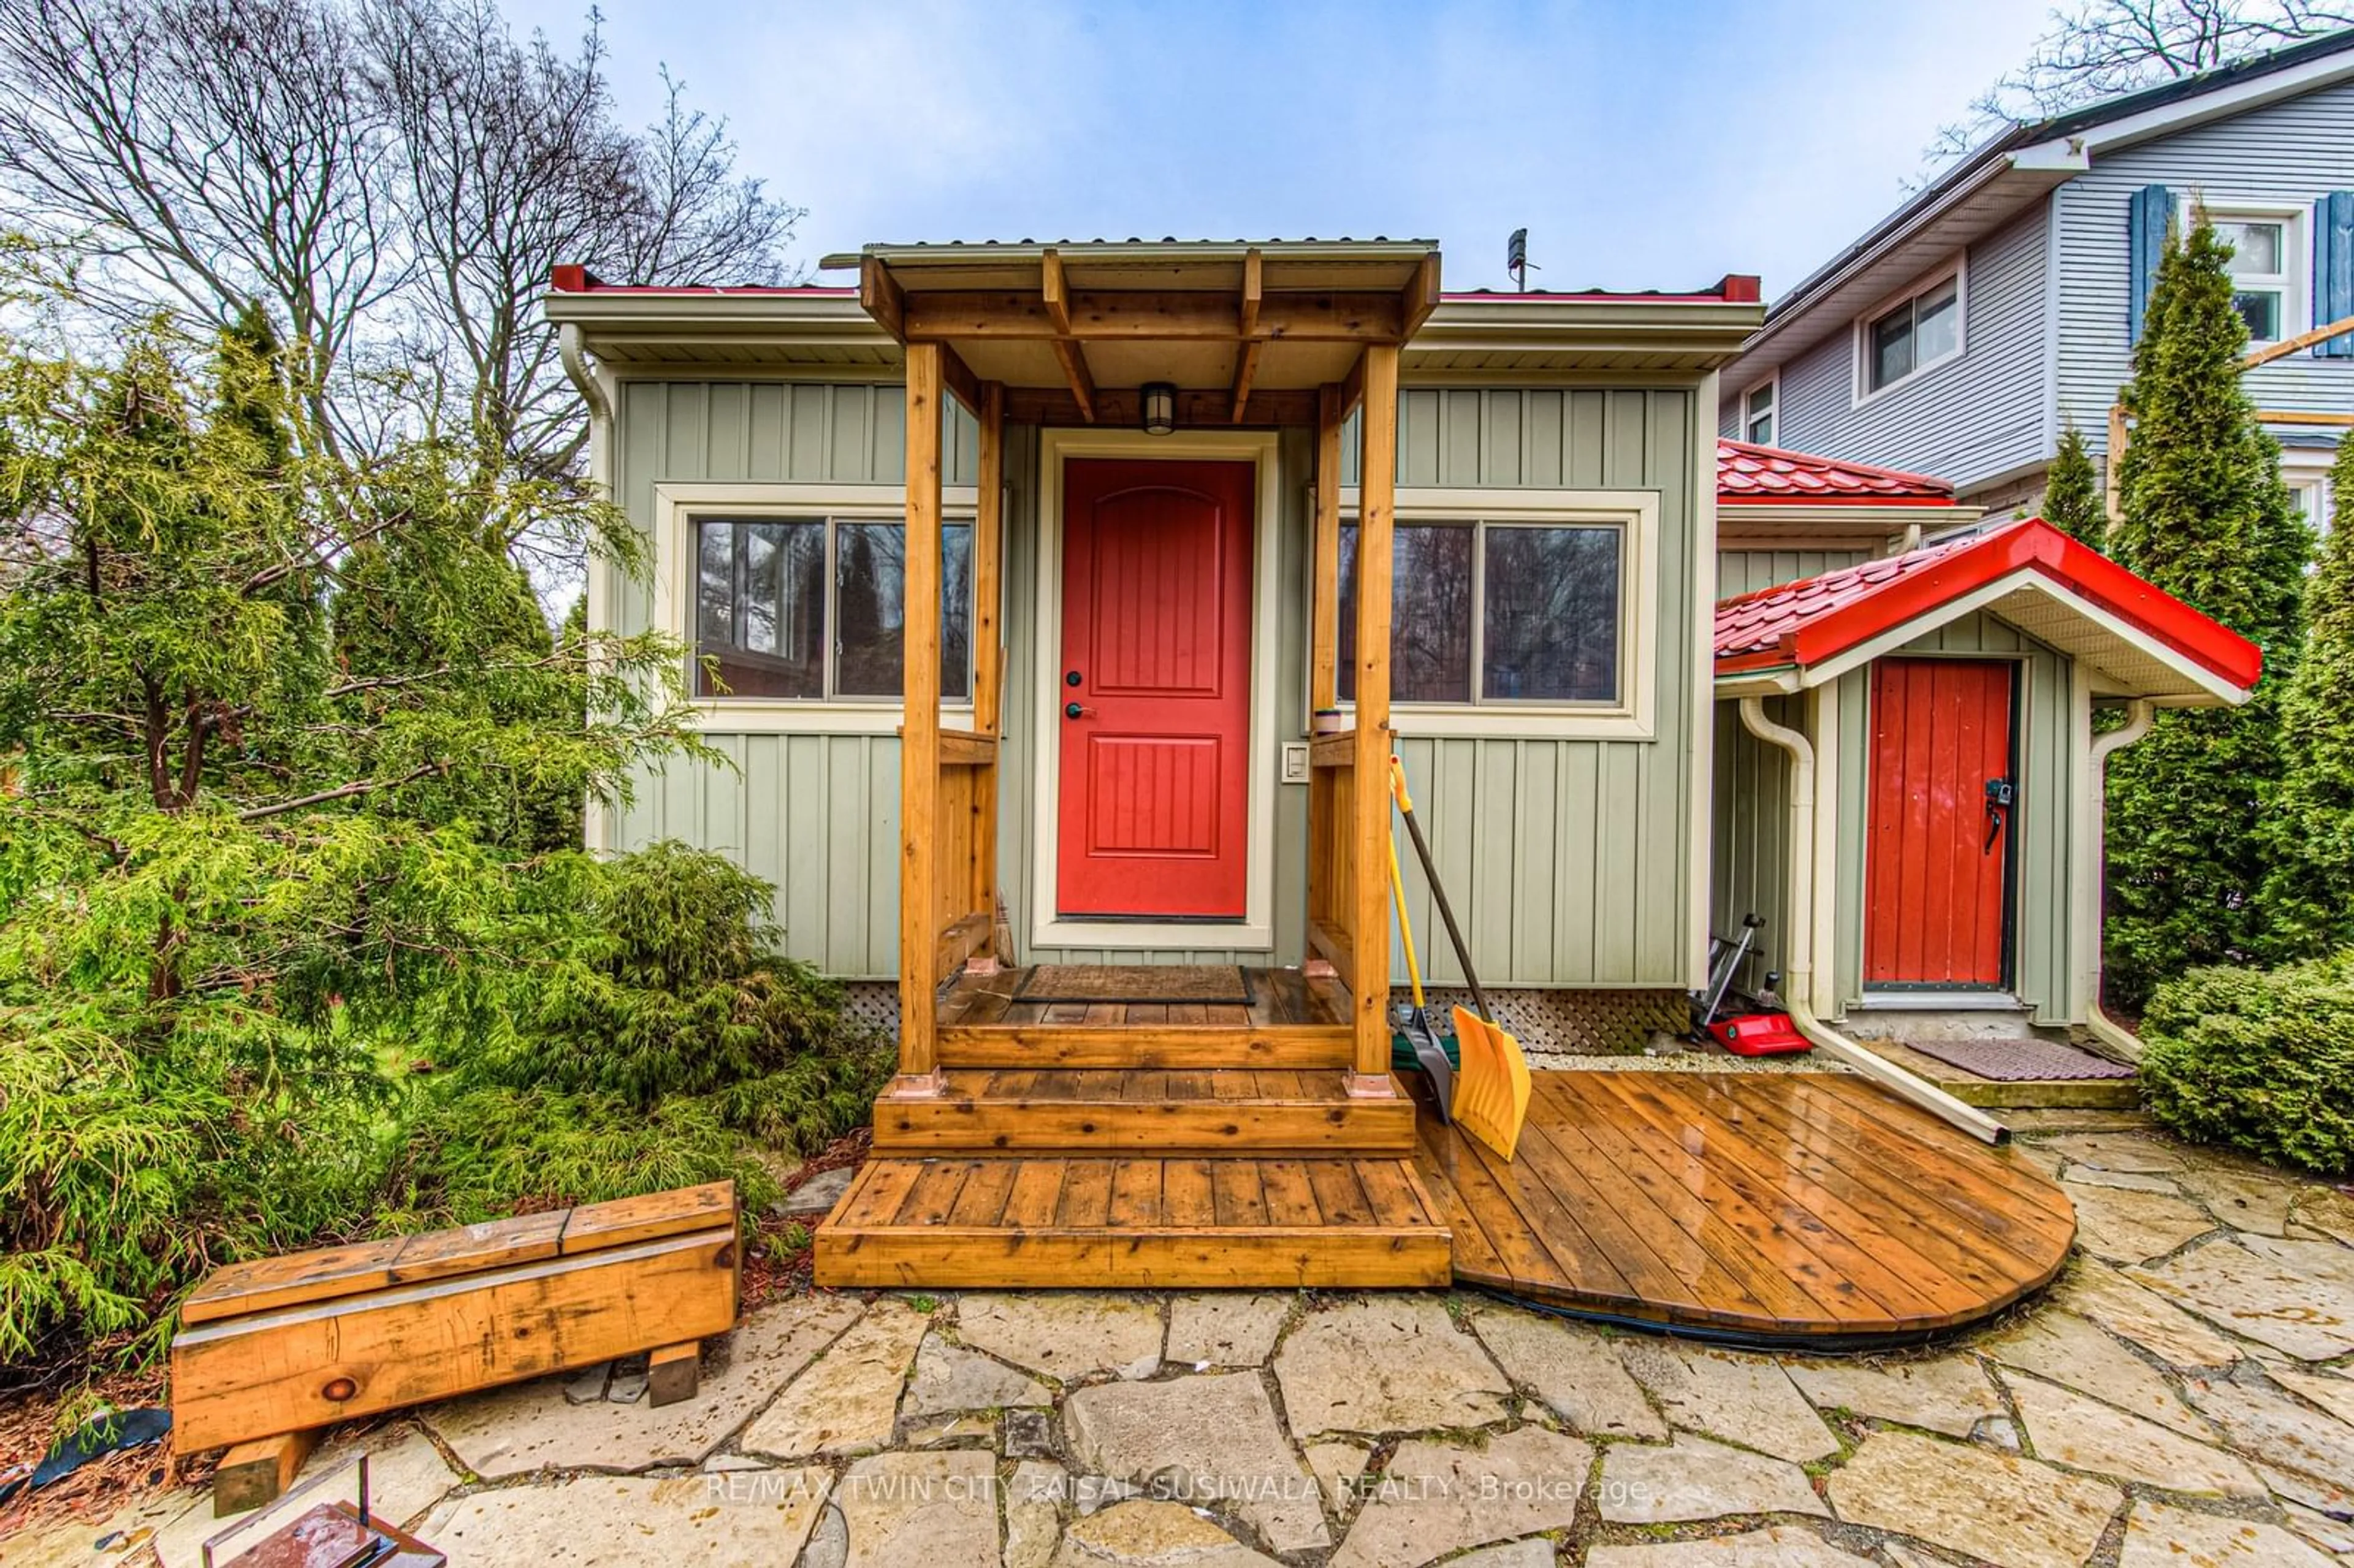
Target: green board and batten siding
1569, 859
1750, 817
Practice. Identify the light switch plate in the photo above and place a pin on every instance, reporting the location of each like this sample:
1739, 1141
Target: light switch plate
1295, 762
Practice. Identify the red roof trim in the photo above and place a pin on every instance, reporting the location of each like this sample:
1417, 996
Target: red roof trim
1819, 619
580, 281
1750, 475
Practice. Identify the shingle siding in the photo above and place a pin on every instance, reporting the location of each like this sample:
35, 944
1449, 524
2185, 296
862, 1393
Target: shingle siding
1968, 420
2288, 154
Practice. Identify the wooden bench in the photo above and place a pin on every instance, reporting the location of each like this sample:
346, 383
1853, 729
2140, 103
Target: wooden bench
272, 1350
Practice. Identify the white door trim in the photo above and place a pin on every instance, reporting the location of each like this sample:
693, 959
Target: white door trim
1256, 930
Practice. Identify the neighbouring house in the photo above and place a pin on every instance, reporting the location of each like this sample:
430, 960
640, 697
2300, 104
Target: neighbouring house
1963, 334
1059, 609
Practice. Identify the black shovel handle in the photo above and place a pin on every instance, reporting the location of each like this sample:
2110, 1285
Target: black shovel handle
1445, 912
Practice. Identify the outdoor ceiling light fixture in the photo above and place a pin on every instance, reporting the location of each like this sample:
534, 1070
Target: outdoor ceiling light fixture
1160, 407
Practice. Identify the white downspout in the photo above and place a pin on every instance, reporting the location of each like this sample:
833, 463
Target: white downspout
1797, 987
596, 824
2139, 714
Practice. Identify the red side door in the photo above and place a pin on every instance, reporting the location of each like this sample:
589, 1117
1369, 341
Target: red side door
1936, 883
1154, 691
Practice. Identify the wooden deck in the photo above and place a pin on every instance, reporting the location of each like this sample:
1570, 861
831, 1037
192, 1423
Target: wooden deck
1147, 1145
1779, 1208
1009, 1223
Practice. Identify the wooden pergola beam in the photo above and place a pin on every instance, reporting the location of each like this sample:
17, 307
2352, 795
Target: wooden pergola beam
1120, 408
1245, 372
1169, 315
1253, 295
880, 296
1074, 371
2298, 344
1421, 296
967, 388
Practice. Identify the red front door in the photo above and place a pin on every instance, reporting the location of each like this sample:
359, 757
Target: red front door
1153, 695
1939, 849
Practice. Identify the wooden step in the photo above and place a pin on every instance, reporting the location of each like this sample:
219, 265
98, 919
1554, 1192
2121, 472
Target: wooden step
1293, 1047
1047, 1222
1237, 1110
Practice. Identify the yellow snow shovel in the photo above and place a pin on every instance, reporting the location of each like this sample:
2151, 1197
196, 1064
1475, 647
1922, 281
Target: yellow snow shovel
1491, 1078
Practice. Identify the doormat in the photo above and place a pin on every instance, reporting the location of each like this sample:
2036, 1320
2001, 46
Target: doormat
1218, 985
2020, 1061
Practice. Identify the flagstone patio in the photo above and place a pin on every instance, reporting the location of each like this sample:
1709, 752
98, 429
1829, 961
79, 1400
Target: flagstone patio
2182, 1397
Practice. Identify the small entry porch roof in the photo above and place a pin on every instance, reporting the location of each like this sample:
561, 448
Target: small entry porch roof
2139, 641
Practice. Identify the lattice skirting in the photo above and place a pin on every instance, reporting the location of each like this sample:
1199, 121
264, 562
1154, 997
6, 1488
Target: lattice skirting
873, 1002
1575, 1022
1572, 1023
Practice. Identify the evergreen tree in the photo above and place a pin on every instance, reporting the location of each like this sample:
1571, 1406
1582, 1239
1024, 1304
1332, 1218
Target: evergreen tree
2311, 893
2072, 492
2203, 515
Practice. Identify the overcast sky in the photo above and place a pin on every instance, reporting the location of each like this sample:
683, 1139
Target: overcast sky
1642, 144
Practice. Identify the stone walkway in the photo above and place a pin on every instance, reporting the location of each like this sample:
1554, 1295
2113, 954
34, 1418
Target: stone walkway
2183, 1397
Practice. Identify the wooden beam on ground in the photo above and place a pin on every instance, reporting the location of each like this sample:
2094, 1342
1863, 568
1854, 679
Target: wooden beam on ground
880, 296
2298, 344
1324, 597
1254, 292
919, 743
1245, 372
325, 1363
1369, 925
673, 1373
1179, 315
258, 1472
1421, 295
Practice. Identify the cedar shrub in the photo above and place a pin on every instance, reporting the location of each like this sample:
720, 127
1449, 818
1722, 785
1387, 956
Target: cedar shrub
2072, 492
2310, 894
2204, 516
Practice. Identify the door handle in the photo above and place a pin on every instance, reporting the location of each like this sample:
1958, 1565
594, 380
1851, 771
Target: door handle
2002, 794
1072, 711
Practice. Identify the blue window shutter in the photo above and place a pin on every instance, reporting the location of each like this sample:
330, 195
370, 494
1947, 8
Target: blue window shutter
2153, 208
2333, 271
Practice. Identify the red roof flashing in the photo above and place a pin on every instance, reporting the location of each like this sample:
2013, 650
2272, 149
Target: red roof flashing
1752, 475
1818, 618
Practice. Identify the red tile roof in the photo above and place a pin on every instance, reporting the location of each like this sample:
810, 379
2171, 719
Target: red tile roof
1750, 475
1818, 617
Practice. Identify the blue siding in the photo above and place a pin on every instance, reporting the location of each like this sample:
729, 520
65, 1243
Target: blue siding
2287, 154
1968, 420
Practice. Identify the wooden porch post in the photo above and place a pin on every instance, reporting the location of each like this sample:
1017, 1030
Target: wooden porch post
920, 735
1369, 927
987, 650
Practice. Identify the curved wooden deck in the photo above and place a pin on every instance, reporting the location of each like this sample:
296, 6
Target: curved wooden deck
1773, 1208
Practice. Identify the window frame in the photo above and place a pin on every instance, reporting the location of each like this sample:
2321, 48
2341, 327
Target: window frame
1772, 387
1955, 270
1636, 514
2294, 283
679, 508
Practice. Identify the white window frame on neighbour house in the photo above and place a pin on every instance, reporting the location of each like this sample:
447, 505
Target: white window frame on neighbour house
1634, 515
679, 508
2293, 283
1954, 271
1772, 413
